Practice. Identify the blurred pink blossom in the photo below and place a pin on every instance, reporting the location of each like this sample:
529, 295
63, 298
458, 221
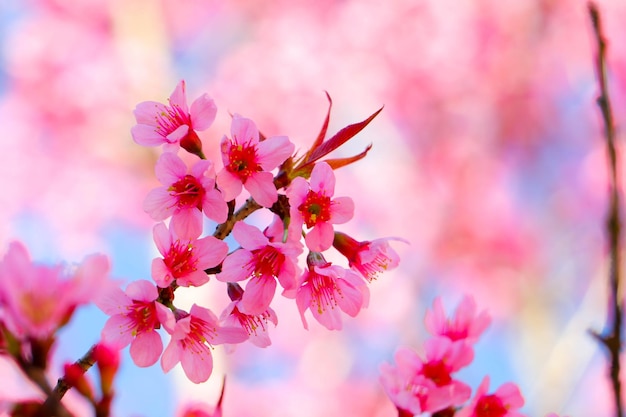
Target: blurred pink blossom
502, 403
36, 299
466, 324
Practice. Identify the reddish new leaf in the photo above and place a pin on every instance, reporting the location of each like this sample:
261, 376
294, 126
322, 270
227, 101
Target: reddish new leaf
340, 138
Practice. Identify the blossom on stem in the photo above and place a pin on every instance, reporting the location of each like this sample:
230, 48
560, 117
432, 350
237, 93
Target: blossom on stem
312, 205
193, 337
184, 260
326, 287
36, 300
185, 195
369, 258
502, 403
135, 316
466, 324
175, 124
419, 386
248, 162
263, 262
254, 324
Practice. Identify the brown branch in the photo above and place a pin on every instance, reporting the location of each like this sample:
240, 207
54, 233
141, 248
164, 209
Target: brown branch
224, 229
611, 337
53, 402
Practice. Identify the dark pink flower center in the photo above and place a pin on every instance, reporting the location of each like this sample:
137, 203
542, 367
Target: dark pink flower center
490, 406
171, 119
242, 161
189, 192
199, 338
372, 269
180, 260
437, 372
251, 323
143, 314
315, 208
325, 291
267, 261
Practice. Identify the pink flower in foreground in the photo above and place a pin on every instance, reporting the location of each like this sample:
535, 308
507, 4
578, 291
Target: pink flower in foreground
311, 204
416, 386
175, 124
247, 162
368, 258
184, 260
466, 324
192, 340
326, 287
185, 195
503, 403
263, 262
36, 300
135, 316
254, 324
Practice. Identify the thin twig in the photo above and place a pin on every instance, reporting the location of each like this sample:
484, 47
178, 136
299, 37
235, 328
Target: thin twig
53, 401
611, 338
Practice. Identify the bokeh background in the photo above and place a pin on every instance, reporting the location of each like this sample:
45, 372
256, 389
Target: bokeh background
488, 157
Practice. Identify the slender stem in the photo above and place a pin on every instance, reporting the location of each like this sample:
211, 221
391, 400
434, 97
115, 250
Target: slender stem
53, 402
224, 229
612, 338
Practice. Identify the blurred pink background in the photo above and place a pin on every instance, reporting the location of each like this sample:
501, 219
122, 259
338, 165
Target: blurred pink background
488, 157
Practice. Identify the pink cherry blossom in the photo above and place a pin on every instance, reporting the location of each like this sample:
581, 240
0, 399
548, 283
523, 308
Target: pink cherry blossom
263, 262
503, 403
193, 337
184, 260
326, 287
36, 300
417, 386
175, 124
247, 162
256, 325
185, 195
466, 324
368, 258
134, 320
312, 205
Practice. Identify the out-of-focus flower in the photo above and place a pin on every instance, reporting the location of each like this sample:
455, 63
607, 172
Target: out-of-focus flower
192, 340
247, 162
135, 316
184, 260
185, 195
254, 324
419, 386
326, 287
175, 124
466, 324
502, 403
108, 361
37, 300
311, 204
369, 258
263, 262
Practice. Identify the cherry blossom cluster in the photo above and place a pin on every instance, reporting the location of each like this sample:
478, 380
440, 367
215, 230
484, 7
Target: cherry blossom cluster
255, 173
427, 384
